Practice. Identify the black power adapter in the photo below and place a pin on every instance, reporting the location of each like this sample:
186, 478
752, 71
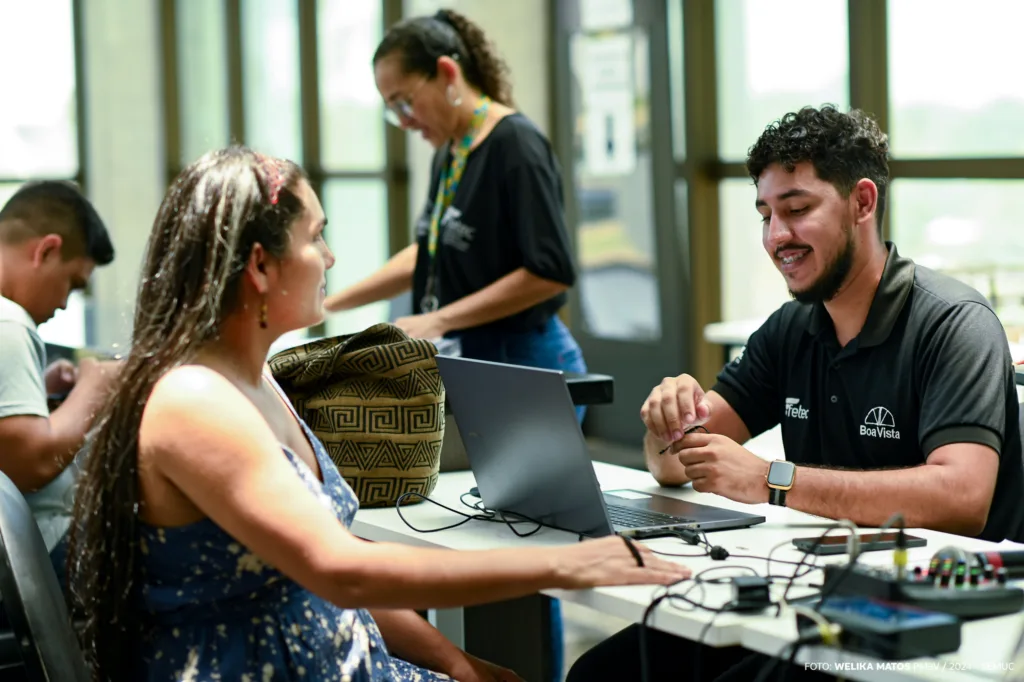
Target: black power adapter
750, 593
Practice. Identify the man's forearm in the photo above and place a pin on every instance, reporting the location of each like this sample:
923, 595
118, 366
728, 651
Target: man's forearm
68, 425
413, 639
927, 496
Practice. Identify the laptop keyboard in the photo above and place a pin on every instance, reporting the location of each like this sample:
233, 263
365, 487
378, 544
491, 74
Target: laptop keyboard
628, 517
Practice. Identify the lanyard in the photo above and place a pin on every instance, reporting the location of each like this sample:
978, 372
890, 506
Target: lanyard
446, 188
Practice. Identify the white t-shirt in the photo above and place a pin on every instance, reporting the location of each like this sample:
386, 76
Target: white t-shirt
23, 392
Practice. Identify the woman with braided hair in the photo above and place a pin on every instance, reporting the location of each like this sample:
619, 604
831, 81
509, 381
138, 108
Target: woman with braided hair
210, 539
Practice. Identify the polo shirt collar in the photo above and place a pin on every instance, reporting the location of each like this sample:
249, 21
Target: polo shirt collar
13, 312
886, 306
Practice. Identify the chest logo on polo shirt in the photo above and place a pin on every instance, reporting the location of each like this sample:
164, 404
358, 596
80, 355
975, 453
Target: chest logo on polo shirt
794, 410
879, 424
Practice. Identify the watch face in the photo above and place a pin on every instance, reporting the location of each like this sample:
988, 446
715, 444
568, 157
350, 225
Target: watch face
781, 473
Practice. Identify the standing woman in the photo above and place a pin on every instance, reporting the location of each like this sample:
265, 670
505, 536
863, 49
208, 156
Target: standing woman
491, 264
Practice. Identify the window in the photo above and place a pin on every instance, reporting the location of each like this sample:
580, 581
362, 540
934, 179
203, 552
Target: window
352, 154
351, 110
203, 66
354, 208
955, 86
244, 73
677, 69
38, 121
946, 98
618, 288
776, 56
270, 77
758, 81
949, 99
968, 229
39, 118
752, 288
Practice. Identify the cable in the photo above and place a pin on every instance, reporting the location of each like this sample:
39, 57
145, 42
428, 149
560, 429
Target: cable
829, 635
510, 519
827, 590
803, 559
800, 642
697, 580
689, 537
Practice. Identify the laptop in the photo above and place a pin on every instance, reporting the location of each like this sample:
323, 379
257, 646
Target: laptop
529, 457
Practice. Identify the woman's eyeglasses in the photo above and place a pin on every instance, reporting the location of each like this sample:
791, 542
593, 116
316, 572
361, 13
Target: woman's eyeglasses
399, 109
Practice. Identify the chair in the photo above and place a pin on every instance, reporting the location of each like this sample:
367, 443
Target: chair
32, 596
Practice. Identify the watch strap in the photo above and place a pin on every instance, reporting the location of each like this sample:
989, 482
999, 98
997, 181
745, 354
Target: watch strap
777, 497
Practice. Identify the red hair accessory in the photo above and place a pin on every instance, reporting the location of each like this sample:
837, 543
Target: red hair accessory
270, 169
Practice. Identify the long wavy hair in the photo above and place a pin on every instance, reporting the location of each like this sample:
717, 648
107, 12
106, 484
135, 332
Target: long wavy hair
209, 221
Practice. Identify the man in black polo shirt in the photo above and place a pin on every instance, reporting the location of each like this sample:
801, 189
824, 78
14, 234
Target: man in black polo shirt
893, 384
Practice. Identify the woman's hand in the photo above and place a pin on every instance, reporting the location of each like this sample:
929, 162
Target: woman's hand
472, 669
609, 561
428, 326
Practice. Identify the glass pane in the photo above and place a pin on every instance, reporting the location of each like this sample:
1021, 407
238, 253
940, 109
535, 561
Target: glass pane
968, 229
202, 77
38, 119
676, 77
67, 327
351, 112
752, 287
7, 190
357, 232
758, 79
615, 236
270, 77
955, 85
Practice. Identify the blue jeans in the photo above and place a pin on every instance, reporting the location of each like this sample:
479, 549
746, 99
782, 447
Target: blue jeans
550, 346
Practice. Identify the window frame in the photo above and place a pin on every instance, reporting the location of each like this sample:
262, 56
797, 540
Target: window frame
395, 172
81, 145
703, 169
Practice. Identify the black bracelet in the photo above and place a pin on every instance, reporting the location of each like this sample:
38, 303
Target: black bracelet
689, 430
633, 550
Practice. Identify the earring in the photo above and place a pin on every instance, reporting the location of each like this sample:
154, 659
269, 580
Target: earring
263, 315
453, 96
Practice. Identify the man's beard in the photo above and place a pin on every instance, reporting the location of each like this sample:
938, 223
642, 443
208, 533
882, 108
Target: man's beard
828, 284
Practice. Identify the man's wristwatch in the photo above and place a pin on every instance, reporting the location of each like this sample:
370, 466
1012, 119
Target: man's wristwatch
780, 477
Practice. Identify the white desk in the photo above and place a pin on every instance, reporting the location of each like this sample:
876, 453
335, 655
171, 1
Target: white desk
384, 525
983, 641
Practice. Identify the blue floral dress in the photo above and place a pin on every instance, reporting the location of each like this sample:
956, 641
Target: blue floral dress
215, 611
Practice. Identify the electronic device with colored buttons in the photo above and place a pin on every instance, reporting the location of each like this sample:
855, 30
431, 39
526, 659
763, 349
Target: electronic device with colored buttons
956, 582
887, 630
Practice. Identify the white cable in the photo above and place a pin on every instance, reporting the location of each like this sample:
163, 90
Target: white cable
853, 543
810, 613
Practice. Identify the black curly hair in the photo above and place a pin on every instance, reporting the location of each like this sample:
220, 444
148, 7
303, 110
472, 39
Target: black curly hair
421, 40
844, 148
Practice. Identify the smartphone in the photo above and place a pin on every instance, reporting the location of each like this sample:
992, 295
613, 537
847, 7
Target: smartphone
869, 542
